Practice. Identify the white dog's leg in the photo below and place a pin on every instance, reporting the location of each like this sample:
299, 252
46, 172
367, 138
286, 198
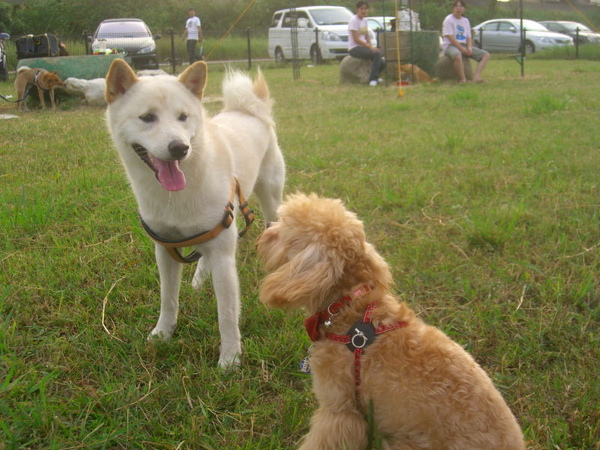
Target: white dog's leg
170, 281
227, 291
199, 275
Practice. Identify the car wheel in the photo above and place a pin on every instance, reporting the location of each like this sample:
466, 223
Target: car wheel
315, 55
529, 47
279, 58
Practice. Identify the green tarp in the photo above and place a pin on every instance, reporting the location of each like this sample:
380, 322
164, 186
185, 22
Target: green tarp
84, 67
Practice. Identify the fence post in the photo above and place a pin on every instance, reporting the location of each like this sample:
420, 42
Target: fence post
577, 43
318, 47
173, 62
249, 49
87, 42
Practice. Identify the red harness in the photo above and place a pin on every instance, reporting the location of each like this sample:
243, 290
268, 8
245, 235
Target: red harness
360, 335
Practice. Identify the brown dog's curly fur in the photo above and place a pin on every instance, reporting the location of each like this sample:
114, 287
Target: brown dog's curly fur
426, 391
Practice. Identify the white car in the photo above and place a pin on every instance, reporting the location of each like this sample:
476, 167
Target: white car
376, 23
503, 35
321, 33
132, 37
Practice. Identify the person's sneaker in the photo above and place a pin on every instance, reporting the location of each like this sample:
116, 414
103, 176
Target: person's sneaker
373, 83
380, 80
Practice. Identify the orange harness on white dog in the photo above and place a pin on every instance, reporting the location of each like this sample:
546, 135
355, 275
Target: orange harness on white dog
360, 335
173, 247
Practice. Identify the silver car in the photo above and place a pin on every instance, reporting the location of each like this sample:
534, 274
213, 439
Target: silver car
579, 32
503, 35
132, 37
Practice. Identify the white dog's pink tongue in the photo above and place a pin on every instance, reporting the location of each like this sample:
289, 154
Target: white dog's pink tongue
170, 175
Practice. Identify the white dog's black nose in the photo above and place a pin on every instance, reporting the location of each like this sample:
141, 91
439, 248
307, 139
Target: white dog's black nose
178, 149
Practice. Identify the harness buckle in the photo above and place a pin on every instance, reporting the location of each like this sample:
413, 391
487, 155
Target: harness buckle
360, 335
359, 340
228, 216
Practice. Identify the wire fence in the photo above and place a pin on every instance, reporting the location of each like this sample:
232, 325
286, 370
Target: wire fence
166, 49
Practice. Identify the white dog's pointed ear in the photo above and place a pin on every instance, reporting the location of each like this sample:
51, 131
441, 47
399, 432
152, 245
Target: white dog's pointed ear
194, 78
303, 282
119, 79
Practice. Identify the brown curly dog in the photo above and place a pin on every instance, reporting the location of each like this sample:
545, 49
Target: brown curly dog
371, 356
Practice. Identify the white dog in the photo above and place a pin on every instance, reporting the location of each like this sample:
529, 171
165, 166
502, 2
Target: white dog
183, 167
92, 90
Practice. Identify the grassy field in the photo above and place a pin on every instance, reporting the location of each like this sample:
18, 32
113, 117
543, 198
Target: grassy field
485, 200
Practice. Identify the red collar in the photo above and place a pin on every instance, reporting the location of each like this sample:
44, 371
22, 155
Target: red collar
313, 322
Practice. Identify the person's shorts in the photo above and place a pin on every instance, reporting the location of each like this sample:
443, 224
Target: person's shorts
452, 52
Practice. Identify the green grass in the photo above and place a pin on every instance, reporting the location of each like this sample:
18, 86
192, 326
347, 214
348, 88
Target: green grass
483, 198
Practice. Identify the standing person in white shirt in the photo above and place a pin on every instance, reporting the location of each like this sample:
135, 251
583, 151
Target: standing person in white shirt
458, 42
193, 32
359, 42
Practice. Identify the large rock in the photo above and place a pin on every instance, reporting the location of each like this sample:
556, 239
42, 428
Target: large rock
355, 70
444, 68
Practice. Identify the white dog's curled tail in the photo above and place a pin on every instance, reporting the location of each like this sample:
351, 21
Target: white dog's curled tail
240, 94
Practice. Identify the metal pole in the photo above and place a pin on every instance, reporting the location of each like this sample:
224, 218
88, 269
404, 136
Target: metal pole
412, 48
318, 47
87, 41
294, 36
173, 62
522, 39
249, 49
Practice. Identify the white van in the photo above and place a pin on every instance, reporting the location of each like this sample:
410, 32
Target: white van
321, 31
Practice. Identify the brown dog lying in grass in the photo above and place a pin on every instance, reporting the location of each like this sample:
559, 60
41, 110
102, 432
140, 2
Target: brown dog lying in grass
372, 358
418, 75
41, 79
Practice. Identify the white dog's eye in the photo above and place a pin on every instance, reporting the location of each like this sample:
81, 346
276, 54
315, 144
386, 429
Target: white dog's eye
148, 118
183, 117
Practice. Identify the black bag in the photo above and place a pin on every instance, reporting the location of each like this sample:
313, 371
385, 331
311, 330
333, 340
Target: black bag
37, 46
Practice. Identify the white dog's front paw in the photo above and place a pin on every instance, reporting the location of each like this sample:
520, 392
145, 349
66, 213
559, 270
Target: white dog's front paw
228, 363
161, 334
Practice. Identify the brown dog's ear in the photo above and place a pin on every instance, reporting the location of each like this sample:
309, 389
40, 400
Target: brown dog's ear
194, 78
303, 282
119, 80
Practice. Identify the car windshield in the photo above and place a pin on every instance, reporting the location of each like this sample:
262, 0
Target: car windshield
331, 16
122, 29
573, 27
530, 25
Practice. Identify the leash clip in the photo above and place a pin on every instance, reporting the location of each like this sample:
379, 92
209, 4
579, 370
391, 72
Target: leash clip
332, 314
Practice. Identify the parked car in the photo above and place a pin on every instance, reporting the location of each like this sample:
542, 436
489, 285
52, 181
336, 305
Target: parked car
376, 23
132, 37
503, 35
585, 36
321, 31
